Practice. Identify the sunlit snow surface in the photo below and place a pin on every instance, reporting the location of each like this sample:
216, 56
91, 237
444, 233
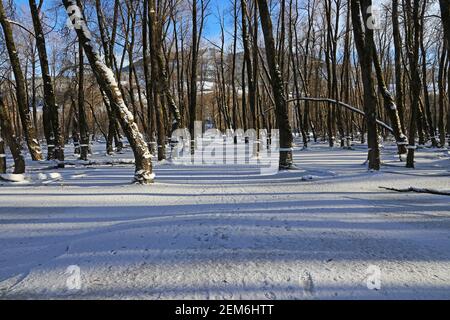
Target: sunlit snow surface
226, 232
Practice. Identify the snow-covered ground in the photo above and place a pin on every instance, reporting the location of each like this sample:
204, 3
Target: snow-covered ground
226, 232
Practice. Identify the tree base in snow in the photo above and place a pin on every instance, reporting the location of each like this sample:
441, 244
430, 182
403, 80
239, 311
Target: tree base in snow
12, 178
144, 178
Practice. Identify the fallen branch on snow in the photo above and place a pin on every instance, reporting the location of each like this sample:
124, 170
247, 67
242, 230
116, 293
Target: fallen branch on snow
79, 163
419, 190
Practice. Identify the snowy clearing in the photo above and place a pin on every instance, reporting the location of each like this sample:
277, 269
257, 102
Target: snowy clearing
227, 232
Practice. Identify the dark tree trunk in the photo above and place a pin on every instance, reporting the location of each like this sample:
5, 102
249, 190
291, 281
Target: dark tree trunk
82, 121
445, 16
156, 81
147, 73
75, 129
25, 116
249, 65
2, 153
193, 82
233, 68
427, 112
8, 134
109, 59
56, 137
296, 70
161, 76
364, 44
398, 64
442, 96
413, 43
281, 106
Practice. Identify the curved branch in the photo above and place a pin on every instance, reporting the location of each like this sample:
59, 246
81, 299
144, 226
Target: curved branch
344, 105
22, 27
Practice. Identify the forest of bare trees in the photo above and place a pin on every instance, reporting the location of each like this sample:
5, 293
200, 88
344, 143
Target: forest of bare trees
224, 150
334, 71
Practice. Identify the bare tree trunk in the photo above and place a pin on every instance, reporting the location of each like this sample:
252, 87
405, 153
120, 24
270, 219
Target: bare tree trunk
345, 79
398, 64
193, 82
155, 47
2, 153
75, 128
427, 104
8, 134
413, 43
249, 64
364, 44
147, 71
281, 110
82, 121
390, 106
445, 16
25, 117
56, 151
107, 82
109, 59
296, 70
233, 68
442, 97
163, 79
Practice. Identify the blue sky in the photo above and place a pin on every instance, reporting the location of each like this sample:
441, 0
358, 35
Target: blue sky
212, 29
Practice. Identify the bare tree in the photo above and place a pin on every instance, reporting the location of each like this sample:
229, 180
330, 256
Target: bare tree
365, 47
281, 106
7, 134
412, 15
445, 16
2, 154
24, 112
106, 80
55, 151
398, 63
82, 121
197, 32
